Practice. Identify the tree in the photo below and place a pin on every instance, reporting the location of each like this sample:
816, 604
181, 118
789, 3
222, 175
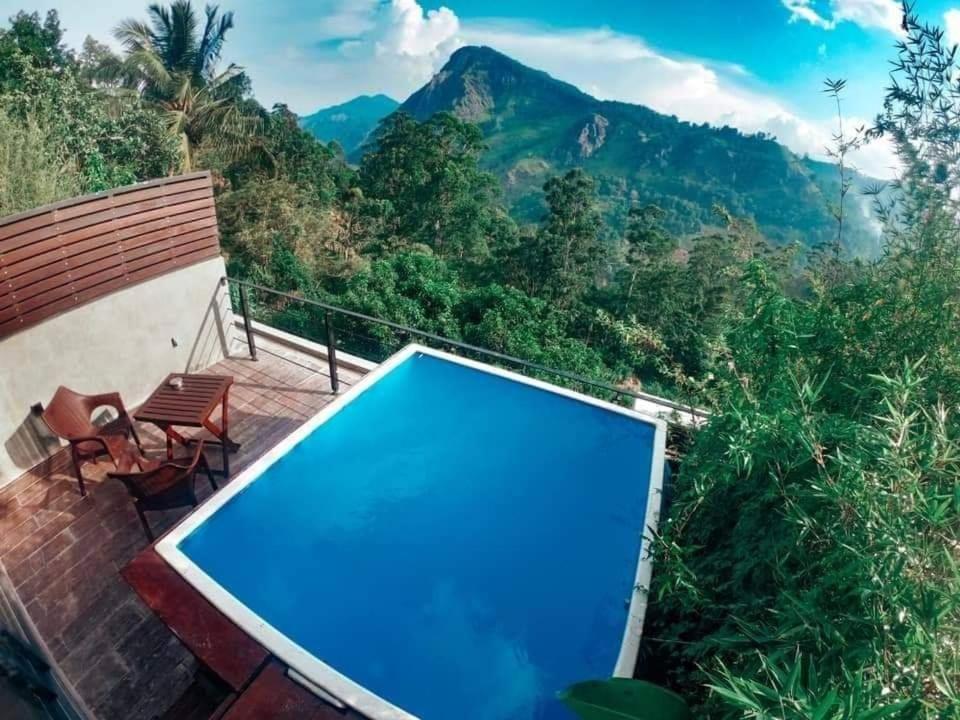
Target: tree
40, 42
173, 64
429, 173
648, 250
99, 66
832, 590
411, 288
283, 150
565, 257
107, 141
507, 320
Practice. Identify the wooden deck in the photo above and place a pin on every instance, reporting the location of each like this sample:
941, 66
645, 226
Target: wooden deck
64, 552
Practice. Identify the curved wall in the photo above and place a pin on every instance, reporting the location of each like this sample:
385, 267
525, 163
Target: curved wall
60, 256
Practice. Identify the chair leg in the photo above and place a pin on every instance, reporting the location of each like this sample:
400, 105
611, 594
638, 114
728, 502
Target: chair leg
136, 438
206, 469
143, 521
76, 469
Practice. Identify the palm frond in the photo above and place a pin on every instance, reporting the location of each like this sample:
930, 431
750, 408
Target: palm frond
182, 39
222, 122
134, 35
214, 34
146, 70
173, 65
162, 28
231, 74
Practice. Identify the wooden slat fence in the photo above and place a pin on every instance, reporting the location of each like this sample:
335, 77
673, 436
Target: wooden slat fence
58, 257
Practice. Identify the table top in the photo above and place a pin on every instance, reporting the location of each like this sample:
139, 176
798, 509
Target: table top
189, 404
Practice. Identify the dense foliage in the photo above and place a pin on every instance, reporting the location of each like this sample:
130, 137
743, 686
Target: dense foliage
71, 137
810, 565
808, 568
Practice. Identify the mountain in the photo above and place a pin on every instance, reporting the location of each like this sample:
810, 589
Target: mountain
351, 122
536, 126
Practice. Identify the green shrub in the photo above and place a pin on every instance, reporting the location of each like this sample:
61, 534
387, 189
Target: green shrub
32, 171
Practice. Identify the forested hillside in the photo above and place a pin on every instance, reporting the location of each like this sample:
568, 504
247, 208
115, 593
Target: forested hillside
807, 566
535, 126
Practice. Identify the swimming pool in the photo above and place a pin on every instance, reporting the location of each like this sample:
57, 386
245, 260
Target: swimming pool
445, 540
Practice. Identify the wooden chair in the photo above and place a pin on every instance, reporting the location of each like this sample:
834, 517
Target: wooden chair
163, 485
69, 415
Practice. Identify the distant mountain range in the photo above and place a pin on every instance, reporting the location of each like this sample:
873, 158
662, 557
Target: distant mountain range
536, 126
349, 123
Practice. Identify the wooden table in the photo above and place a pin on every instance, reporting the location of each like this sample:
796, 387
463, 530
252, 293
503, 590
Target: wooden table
191, 405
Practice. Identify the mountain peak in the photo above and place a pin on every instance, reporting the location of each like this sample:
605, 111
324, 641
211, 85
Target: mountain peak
478, 81
479, 53
350, 122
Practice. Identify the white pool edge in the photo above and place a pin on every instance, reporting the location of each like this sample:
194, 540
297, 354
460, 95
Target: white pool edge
306, 664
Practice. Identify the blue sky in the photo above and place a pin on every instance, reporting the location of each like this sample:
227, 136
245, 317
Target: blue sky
754, 64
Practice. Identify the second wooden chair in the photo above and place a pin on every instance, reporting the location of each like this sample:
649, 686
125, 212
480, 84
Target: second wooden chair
164, 485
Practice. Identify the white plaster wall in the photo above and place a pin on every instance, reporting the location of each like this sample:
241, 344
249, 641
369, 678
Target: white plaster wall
127, 341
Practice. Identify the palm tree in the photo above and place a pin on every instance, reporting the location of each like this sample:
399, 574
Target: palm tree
174, 66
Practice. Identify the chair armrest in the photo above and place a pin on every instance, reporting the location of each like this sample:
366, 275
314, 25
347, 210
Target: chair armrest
156, 480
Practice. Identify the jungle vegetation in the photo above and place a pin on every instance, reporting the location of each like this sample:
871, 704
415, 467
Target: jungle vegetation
808, 564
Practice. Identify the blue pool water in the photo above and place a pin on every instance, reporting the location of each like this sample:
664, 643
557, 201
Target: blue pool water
461, 544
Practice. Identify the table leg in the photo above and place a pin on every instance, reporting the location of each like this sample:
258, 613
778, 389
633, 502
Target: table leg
227, 445
225, 438
171, 436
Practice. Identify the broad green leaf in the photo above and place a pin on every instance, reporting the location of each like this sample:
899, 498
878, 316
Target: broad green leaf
624, 699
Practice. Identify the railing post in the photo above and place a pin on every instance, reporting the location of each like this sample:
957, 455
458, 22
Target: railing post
332, 352
244, 309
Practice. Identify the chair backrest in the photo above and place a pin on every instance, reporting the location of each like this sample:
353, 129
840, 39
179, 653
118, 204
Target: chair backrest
68, 414
164, 475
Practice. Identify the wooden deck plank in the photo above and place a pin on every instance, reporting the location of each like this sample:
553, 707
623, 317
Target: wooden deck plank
273, 695
232, 654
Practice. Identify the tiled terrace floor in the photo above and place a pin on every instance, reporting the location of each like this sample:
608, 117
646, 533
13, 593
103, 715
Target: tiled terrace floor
63, 552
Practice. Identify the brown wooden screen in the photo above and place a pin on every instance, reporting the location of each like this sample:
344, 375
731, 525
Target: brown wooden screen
58, 257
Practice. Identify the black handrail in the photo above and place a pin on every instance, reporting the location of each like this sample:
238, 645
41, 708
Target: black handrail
696, 412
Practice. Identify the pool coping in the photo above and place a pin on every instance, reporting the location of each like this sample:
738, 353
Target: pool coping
329, 683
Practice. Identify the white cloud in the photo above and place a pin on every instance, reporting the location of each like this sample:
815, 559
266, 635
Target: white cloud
404, 30
803, 10
872, 14
343, 48
951, 24
883, 14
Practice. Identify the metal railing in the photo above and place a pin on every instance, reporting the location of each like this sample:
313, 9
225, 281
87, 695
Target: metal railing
330, 340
